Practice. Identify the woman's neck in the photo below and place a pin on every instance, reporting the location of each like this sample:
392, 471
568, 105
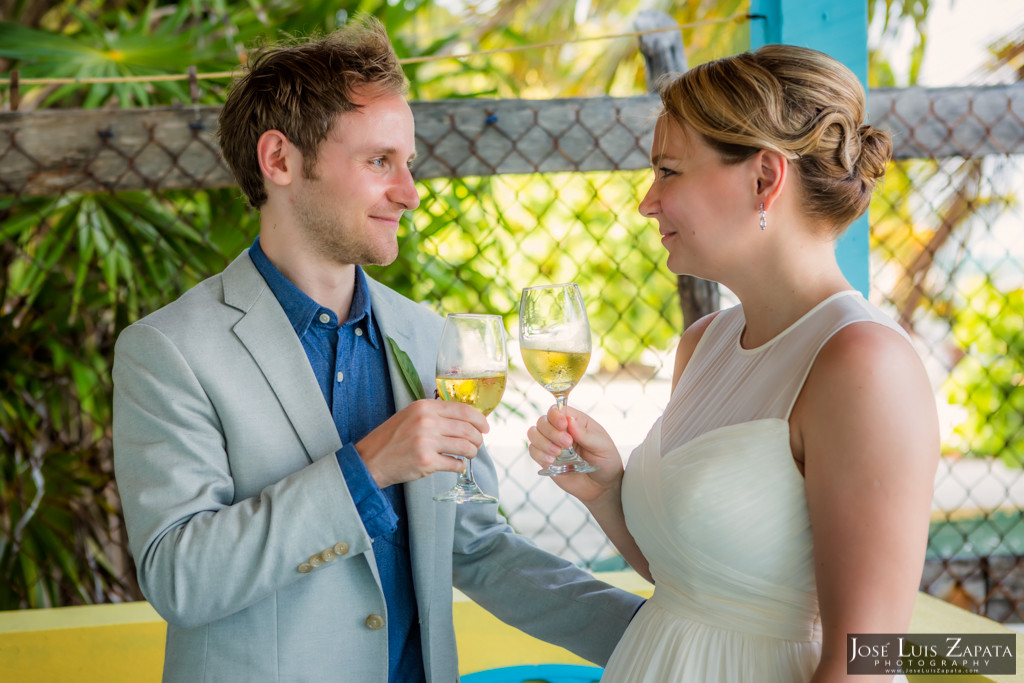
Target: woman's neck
784, 290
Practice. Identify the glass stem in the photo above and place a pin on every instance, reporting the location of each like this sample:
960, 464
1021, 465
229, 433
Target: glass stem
561, 400
466, 476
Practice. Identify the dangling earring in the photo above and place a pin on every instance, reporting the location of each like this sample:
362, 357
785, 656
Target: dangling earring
764, 222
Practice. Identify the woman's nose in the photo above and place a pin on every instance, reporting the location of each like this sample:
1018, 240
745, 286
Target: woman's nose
649, 205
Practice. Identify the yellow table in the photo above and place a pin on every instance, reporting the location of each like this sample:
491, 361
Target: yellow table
112, 643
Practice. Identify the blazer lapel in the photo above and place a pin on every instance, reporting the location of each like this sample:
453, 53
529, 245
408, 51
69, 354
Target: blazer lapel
269, 338
424, 513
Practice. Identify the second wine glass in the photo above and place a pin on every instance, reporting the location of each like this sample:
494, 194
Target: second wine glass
472, 365
554, 338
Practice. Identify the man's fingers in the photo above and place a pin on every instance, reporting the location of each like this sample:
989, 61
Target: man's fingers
450, 463
464, 448
453, 410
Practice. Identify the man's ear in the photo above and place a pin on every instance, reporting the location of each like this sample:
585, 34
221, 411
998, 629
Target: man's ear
772, 172
276, 157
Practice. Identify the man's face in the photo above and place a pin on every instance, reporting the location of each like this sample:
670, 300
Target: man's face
349, 211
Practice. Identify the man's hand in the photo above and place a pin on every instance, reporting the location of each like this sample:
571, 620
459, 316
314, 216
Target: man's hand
417, 440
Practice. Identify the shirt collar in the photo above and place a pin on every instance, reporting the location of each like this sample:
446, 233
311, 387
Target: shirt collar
301, 309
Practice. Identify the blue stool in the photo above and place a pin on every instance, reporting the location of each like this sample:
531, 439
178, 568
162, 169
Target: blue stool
537, 673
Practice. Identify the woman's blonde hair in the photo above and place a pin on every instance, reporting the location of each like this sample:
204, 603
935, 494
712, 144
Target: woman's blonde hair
798, 102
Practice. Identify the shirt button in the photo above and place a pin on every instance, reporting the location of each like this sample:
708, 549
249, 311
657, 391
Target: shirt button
327, 555
341, 548
341, 376
324, 318
374, 622
359, 332
315, 561
305, 568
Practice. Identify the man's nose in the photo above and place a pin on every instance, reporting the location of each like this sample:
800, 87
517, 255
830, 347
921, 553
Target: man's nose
405, 192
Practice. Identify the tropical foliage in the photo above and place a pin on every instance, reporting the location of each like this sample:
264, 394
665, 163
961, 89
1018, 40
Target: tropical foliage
77, 268
933, 281
990, 378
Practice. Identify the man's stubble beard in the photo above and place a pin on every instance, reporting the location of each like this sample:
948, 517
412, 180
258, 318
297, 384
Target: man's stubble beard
329, 237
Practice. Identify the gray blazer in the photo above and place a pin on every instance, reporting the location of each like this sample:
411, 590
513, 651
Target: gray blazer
223, 453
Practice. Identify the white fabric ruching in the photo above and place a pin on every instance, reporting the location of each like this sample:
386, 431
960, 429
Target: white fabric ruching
716, 502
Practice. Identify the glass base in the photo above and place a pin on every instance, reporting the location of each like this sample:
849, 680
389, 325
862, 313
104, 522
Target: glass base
461, 493
573, 465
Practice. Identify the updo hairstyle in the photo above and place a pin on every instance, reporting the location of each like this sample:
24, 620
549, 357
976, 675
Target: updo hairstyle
798, 102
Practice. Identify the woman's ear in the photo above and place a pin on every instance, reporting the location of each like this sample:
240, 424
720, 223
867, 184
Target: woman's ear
276, 162
772, 171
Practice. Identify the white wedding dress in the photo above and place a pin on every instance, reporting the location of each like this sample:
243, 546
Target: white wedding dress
716, 502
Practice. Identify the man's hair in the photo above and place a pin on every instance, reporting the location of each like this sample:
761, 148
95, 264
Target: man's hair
299, 88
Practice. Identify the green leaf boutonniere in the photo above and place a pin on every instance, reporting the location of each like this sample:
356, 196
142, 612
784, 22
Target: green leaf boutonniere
409, 374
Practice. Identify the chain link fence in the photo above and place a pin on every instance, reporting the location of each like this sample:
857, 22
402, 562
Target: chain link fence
947, 234
108, 214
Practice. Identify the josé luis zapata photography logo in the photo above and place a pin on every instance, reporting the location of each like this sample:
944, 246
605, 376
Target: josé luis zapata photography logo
931, 653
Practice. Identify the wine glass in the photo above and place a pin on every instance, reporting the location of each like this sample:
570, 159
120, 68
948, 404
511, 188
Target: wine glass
554, 337
472, 364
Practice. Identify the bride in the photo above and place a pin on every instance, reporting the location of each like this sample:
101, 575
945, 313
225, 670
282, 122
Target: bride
782, 500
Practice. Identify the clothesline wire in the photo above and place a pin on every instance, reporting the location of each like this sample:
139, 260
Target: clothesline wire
409, 60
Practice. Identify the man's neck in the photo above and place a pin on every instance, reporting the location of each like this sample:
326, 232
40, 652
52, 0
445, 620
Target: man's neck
326, 282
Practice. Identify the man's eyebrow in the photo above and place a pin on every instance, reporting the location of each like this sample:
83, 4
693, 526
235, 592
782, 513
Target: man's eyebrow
390, 152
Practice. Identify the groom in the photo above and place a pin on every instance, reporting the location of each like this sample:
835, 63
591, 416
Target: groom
276, 472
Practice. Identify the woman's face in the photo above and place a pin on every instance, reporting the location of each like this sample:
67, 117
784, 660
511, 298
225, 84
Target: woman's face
705, 209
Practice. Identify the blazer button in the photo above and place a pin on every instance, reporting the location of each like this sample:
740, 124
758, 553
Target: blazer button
374, 622
315, 561
327, 555
305, 568
341, 548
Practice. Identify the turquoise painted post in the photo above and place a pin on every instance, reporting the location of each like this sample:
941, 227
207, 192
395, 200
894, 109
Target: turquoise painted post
838, 28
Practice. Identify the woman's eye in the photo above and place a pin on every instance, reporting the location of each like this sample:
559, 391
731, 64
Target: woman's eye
665, 172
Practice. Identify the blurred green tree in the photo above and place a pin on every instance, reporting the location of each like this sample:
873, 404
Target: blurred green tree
989, 379
123, 255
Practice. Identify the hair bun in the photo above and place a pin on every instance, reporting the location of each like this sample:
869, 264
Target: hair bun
875, 152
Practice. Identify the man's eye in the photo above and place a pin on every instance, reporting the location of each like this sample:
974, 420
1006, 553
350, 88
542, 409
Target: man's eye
379, 162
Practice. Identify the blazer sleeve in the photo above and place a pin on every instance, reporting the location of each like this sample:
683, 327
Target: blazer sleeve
542, 594
203, 548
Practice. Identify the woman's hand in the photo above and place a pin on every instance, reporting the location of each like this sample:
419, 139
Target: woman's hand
556, 431
600, 491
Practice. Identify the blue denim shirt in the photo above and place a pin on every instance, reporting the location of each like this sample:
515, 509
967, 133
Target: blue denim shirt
351, 367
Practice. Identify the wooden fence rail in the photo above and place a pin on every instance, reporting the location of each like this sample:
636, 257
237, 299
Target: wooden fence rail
50, 152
